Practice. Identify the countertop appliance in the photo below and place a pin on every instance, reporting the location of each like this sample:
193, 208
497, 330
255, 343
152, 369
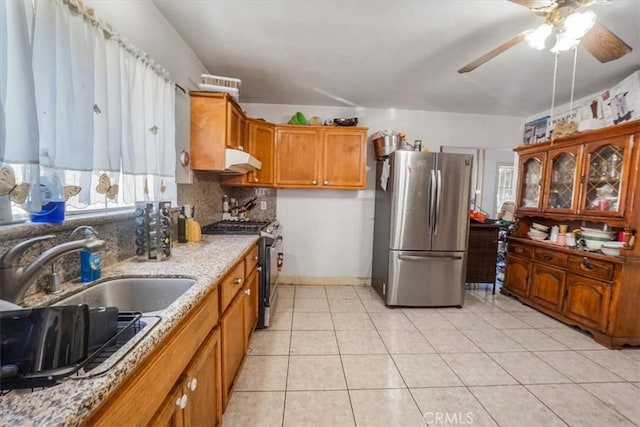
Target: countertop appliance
43, 346
421, 228
269, 248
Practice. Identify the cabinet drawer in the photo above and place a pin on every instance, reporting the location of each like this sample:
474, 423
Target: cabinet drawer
520, 250
230, 285
590, 267
551, 257
250, 261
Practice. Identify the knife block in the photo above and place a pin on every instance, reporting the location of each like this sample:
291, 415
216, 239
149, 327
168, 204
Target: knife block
153, 230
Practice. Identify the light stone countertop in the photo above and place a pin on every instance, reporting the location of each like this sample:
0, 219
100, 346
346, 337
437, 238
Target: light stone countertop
69, 403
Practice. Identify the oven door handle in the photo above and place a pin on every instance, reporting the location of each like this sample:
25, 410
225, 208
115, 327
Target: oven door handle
276, 243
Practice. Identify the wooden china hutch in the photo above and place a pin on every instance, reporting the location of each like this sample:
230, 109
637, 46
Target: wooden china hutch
590, 179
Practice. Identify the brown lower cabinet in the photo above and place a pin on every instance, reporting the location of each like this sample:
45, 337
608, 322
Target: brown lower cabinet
187, 379
196, 399
594, 292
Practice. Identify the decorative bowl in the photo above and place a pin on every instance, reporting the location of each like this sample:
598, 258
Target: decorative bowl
539, 227
538, 237
610, 251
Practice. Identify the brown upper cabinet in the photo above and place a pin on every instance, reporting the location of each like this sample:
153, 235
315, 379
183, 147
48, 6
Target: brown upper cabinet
217, 123
587, 176
320, 157
260, 144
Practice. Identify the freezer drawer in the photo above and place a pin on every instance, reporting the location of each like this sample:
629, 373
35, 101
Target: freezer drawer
426, 279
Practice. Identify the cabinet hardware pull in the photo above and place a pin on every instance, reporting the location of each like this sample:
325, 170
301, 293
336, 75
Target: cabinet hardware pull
181, 402
255, 180
247, 291
326, 182
237, 281
314, 182
255, 258
547, 257
259, 268
193, 384
518, 249
586, 264
240, 147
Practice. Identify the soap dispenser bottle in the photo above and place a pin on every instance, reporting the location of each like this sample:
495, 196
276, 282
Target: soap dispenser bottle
90, 262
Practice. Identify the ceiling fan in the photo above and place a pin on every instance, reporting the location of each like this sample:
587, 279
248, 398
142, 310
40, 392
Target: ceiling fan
571, 27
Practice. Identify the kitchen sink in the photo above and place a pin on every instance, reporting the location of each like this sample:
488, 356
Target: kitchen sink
143, 294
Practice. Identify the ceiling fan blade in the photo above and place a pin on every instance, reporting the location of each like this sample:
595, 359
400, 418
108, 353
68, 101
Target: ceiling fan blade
603, 44
493, 53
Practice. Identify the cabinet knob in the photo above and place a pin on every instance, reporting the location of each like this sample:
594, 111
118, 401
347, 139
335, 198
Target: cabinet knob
193, 384
237, 281
547, 257
247, 291
240, 147
314, 182
181, 402
326, 182
255, 258
255, 179
259, 268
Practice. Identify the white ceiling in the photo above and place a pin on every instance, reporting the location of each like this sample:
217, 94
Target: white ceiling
394, 54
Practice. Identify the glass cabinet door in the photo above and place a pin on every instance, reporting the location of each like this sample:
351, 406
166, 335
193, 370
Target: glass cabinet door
606, 166
531, 177
562, 181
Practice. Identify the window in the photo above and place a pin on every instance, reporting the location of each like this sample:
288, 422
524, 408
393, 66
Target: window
504, 190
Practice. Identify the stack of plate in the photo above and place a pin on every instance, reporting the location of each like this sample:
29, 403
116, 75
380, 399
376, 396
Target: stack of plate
537, 235
594, 239
612, 248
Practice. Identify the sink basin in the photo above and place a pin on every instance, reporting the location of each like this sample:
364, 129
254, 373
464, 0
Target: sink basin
144, 294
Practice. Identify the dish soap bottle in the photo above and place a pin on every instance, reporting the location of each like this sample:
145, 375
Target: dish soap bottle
90, 262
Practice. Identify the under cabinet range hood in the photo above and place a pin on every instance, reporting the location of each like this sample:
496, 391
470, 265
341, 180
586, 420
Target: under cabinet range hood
239, 162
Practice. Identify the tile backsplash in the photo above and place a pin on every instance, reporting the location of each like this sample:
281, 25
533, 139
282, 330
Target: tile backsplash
117, 228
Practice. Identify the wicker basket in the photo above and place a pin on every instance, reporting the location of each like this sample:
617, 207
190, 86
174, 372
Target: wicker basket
209, 79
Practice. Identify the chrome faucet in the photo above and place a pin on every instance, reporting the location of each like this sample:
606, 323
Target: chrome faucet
16, 280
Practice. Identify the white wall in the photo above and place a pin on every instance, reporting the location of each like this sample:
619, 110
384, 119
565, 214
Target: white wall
329, 234
147, 29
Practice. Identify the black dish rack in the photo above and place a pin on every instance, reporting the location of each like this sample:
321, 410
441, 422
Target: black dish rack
130, 324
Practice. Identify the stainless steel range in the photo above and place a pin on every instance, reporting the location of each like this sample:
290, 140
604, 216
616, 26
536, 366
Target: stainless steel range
270, 248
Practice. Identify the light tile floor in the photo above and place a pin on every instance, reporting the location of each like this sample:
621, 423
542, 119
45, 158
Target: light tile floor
336, 356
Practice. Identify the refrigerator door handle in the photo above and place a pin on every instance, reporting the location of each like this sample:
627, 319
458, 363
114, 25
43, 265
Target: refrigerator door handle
438, 200
433, 191
420, 258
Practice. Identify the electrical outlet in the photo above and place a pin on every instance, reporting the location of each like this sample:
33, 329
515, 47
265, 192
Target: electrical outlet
263, 205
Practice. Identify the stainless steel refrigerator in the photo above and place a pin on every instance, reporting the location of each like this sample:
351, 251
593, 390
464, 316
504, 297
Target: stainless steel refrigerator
421, 228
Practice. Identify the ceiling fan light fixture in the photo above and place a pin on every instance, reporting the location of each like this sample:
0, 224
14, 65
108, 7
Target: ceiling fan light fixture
537, 38
578, 24
564, 42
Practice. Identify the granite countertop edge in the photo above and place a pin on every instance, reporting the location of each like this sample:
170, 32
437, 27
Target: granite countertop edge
71, 402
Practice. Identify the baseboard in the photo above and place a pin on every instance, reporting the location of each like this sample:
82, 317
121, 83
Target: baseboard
305, 280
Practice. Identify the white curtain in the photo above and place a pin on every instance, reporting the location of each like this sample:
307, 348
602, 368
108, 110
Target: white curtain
83, 103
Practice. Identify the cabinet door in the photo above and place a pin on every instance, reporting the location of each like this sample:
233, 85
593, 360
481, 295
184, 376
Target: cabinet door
202, 385
343, 158
261, 145
587, 301
232, 335
250, 305
547, 286
170, 413
562, 180
297, 157
606, 174
516, 277
208, 131
530, 182
235, 126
